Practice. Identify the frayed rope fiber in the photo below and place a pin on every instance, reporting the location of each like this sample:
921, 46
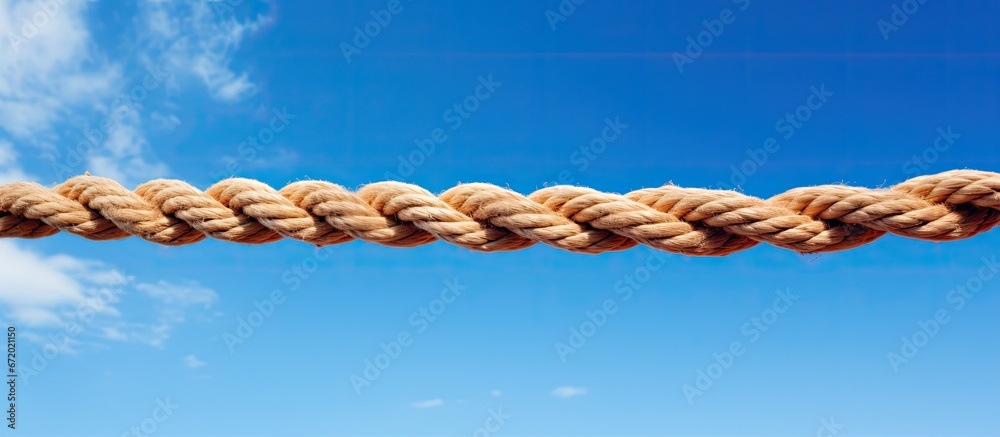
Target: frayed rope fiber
942, 207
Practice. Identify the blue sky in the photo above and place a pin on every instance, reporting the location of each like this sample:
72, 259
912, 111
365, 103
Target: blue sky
225, 339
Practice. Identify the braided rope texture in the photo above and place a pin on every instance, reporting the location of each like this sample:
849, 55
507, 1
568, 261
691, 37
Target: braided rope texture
942, 207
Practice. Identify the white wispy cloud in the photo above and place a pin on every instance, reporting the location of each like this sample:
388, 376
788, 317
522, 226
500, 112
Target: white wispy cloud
569, 391
60, 87
10, 171
48, 69
431, 403
112, 333
496, 393
50, 292
173, 302
166, 305
54, 292
192, 362
37, 287
181, 295
164, 121
125, 155
188, 36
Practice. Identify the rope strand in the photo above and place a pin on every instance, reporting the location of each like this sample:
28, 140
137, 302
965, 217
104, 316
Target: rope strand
947, 206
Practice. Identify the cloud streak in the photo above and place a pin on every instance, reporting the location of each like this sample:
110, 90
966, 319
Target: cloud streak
192, 362
37, 286
189, 37
431, 403
569, 391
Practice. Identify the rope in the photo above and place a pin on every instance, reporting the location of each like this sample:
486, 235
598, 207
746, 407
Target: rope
943, 207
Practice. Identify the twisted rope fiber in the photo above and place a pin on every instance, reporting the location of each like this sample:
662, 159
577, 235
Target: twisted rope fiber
942, 207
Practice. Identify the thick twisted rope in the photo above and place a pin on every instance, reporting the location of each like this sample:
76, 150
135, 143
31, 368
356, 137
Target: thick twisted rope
947, 206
